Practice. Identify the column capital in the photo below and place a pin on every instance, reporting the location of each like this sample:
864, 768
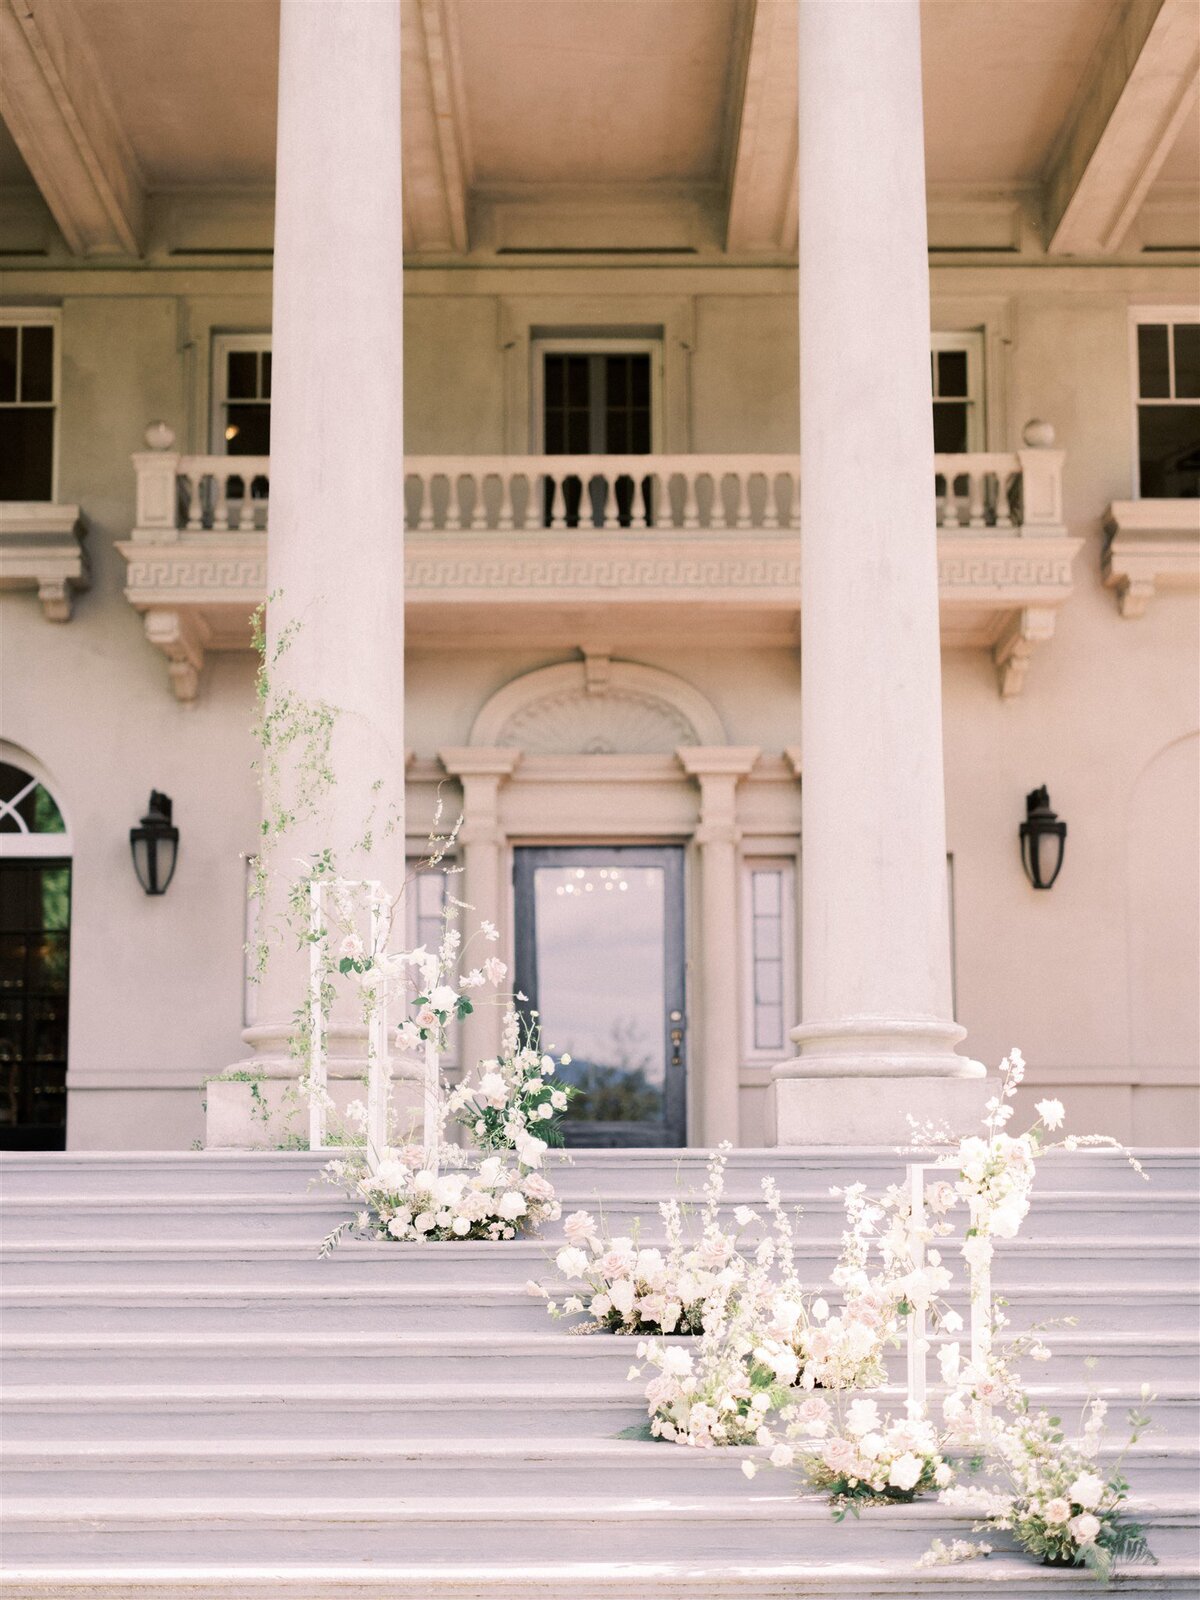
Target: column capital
479, 761
718, 760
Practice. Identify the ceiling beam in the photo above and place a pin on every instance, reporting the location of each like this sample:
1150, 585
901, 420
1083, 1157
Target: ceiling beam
53, 99
435, 162
762, 208
1139, 90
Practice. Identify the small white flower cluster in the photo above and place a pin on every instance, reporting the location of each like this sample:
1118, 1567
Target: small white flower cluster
941, 1554
513, 1101
869, 1456
406, 1201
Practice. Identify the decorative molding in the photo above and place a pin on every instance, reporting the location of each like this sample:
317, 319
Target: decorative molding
761, 213
41, 548
181, 636
1011, 653
987, 579
642, 710
1152, 545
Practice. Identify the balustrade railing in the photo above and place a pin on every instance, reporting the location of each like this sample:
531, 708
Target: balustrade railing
1000, 491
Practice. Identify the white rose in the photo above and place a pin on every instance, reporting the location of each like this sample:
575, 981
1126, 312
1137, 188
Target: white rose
545, 1111
571, 1262
558, 1100
1084, 1528
1057, 1511
1086, 1491
398, 1226
942, 1474
782, 1456
600, 1307
493, 1088
511, 1205
443, 999
871, 1446
424, 1222
461, 1227
906, 1471
862, 1417
622, 1296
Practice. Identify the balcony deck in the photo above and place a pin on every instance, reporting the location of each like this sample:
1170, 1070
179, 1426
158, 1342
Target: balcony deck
499, 547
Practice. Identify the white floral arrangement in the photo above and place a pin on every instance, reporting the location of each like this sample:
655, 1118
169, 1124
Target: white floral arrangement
514, 1097
1040, 1486
863, 1457
624, 1287
404, 1200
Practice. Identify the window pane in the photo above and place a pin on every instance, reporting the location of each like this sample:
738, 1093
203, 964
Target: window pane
241, 374
1153, 369
8, 364
248, 430
952, 372
26, 453
1169, 452
578, 433
37, 363
639, 433
950, 427
616, 432
766, 893
1187, 360
554, 380
266, 374
577, 381
768, 1027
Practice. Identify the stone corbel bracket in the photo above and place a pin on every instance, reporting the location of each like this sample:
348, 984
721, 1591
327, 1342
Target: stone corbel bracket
41, 548
1151, 545
198, 594
1003, 593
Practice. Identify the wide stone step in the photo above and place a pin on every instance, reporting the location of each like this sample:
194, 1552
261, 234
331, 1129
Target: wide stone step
330, 1410
613, 1579
1159, 1464
198, 1306
445, 1532
88, 1358
304, 1219
654, 1172
264, 1263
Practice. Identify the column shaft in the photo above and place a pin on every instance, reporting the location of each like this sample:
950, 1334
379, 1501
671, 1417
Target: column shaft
875, 953
335, 563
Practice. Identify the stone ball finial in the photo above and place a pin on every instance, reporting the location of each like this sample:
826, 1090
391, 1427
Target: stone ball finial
1038, 435
160, 436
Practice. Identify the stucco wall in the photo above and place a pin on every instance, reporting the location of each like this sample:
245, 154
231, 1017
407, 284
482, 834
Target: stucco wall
1075, 977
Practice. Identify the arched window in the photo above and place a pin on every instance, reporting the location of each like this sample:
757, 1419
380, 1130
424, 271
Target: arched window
35, 939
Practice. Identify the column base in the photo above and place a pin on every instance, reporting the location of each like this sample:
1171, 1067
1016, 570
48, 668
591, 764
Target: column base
869, 1080
875, 1110
256, 1104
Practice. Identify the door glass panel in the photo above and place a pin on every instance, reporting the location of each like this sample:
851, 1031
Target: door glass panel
600, 936
600, 955
35, 911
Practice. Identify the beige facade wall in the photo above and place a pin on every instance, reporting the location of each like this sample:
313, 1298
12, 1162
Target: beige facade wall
1095, 980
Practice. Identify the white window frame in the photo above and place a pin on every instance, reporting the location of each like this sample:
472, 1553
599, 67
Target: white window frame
563, 344
786, 865
24, 845
1139, 315
222, 345
973, 343
40, 317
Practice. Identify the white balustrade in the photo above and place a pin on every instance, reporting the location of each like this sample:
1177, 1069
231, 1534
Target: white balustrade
996, 491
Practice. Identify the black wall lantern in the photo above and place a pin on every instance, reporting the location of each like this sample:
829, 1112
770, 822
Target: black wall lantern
1043, 839
155, 845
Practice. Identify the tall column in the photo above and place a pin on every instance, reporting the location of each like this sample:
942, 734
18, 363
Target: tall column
335, 562
876, 1040
482, 771
715, 1056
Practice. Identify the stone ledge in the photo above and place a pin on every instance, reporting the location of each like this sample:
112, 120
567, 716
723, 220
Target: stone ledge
41, 548
1152, 545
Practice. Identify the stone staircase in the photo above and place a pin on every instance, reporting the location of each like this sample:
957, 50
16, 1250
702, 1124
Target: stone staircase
196, 1405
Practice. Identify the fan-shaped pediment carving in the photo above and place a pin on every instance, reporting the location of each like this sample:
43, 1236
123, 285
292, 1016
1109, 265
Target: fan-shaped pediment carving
616, 721
606, 708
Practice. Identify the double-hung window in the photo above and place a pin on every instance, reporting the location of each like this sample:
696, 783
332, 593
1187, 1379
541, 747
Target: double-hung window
28, 404
241, 391
958, 420
1167, 355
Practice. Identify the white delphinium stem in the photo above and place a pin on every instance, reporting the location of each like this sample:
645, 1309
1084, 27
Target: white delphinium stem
316, 1019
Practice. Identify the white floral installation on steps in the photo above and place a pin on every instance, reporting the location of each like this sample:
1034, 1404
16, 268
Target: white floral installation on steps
623, 1287
513, 1101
